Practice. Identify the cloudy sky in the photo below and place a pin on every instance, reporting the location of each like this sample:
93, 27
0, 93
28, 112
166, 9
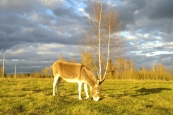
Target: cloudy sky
33, 33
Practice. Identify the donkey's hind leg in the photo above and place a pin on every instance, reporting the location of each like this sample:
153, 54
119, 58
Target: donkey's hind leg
56, 83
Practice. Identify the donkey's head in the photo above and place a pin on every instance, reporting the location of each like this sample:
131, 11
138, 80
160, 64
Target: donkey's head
96, 90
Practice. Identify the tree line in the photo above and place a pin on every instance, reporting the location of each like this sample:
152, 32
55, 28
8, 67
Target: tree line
119, 69
44, 73
122, 68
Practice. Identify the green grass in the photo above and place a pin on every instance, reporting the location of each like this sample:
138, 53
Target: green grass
34, 97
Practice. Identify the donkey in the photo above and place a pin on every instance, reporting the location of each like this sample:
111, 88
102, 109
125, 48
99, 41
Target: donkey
76, 73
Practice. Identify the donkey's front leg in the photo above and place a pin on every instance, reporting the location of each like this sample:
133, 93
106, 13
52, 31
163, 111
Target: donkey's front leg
86, 90
79, 90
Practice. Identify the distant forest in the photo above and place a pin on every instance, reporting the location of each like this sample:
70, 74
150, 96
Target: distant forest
121, 69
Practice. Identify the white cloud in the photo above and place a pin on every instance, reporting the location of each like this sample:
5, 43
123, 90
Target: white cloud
17, 60
83, 12
158, 53
132, 37
52, 3
146, 35
49, 47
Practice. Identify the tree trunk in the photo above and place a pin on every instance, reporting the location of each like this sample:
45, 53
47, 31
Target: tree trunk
99, 42
108, 53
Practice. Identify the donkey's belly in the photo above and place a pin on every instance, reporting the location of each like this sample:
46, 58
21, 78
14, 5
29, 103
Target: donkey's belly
71, 80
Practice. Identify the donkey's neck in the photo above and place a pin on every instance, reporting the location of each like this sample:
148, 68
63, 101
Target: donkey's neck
88, 76
91, 80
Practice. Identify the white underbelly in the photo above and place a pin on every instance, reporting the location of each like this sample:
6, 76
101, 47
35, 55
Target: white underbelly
72, 80
75, 80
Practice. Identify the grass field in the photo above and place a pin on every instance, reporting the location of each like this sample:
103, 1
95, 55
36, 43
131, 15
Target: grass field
34, 97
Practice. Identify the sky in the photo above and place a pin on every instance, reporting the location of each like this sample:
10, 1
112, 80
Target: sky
33, 33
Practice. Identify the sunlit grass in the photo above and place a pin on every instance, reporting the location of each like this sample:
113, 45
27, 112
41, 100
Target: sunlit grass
34, 96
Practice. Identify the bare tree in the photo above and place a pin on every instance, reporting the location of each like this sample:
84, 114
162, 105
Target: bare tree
47, 72
73, 60
61, 57
101, 40
88, 60
160, 71
111, 25
36, 74
172, 69
97, 10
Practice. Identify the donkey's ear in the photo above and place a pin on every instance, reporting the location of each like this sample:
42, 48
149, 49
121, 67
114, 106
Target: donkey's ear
100, 82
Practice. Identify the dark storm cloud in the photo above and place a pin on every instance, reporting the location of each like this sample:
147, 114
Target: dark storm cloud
127, 11
168, 37
39, 30
36, 25
18, 6
24, 66
35, 56
62, 12
147, 28
154, 9
160, 9
146, 15
25, 26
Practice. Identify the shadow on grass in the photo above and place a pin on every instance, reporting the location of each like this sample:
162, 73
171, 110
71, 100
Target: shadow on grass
139, 92
7, 96
145, 91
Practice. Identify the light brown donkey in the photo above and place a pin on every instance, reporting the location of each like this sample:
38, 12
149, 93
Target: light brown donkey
76, 73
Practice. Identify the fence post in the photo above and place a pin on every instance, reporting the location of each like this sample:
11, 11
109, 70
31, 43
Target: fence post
3, 69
